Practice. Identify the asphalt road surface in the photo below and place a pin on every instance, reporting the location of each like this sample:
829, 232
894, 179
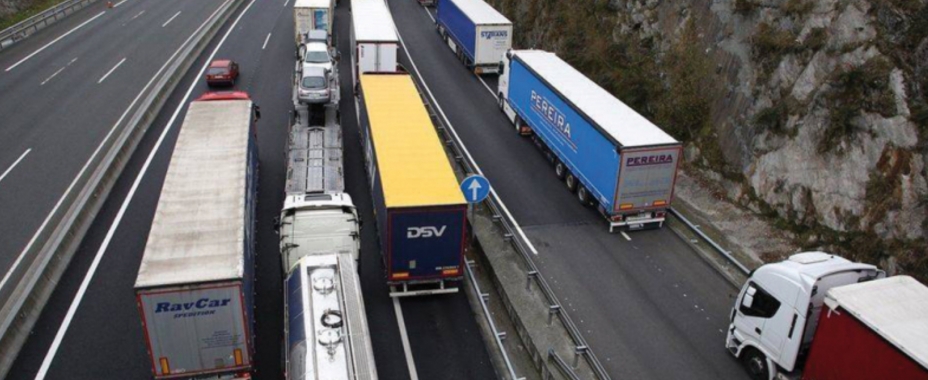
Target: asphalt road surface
649, 307
90, 328
64, 90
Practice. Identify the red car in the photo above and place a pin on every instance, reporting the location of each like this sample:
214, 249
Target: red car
222, 72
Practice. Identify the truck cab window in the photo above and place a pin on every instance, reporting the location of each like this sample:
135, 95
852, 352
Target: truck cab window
758, 303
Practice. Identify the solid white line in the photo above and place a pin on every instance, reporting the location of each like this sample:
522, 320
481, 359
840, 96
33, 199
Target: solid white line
103, 78
22, 254
14, 164
120, 3
50, 356
625, 235
53, 41
265, 41
171, 19
410, 363
286, 2
461, 143
426, 9
487, 87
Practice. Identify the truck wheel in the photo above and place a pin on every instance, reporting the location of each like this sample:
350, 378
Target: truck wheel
583, 195
501, 100
572, 182
559, 169
756, 364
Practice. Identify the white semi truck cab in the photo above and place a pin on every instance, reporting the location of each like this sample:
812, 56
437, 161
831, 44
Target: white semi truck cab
316, 224
777, 311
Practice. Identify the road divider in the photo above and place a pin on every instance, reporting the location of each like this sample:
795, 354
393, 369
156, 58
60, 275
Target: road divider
30, 26
52, 248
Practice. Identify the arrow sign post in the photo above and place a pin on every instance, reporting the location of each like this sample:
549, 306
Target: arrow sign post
475, 188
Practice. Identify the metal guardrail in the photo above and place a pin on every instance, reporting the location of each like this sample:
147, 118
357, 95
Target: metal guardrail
498, 336
56, 245
561, 365
712, 243
40, 21
581, 347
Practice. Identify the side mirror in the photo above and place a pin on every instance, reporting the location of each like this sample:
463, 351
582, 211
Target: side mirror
258, 115
277, 223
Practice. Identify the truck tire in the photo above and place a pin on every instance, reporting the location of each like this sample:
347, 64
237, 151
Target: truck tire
572, 182
560, 169
583, 195
755, 363
518, 124
501, 100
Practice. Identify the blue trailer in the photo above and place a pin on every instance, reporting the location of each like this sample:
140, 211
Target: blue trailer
476, 32
421, 212
610, 155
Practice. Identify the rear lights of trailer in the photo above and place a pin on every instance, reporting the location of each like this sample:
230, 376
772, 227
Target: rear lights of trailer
660, 203
238, 356
165, 367
450, 272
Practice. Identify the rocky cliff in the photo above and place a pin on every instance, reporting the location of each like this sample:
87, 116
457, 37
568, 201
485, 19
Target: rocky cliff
811, 113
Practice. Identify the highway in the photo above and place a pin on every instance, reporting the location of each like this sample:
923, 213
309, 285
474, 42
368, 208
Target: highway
647, 304
100, 334
64, 91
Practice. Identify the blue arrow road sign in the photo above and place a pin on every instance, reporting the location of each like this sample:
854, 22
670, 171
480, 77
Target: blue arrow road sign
475, 188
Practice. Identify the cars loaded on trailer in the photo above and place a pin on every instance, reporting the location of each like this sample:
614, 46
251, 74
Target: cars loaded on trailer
195, 285
419, 208
607, 153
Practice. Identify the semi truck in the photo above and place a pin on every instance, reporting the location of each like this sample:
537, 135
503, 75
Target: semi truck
326, 333
311, 15
195, 284
475, 32
818, 316
373, 38
419, 208
607, 153
318, 217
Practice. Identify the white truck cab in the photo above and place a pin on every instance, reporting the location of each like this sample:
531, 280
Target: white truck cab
776, 313
316, 224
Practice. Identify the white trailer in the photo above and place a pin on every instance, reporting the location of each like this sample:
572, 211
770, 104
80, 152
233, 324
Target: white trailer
373, 38
312, 15
195, 284
326, 331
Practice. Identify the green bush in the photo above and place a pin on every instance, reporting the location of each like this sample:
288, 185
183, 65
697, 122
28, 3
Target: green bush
856, 89
773, 118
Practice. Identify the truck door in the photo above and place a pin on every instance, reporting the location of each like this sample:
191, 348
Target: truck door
755, 308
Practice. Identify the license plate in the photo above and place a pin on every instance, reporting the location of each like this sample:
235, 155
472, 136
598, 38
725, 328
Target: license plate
635, 226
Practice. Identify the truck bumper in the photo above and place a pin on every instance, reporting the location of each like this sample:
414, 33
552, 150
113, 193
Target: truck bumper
637, 222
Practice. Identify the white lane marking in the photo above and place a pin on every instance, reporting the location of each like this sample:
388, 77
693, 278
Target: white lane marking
265, 41
53, 41
286, 2
50, 356
410, 363
57, 72
14, 164
137, 15
470, 158
171, 19
485, 85
120, 3
103, 78
426, 9
625, 235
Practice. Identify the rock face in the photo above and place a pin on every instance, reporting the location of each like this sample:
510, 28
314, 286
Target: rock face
817, 108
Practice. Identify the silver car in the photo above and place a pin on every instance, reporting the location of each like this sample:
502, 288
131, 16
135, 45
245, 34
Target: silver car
314, 86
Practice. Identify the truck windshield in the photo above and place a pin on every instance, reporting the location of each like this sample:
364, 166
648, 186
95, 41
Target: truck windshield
316, 57
313, 82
